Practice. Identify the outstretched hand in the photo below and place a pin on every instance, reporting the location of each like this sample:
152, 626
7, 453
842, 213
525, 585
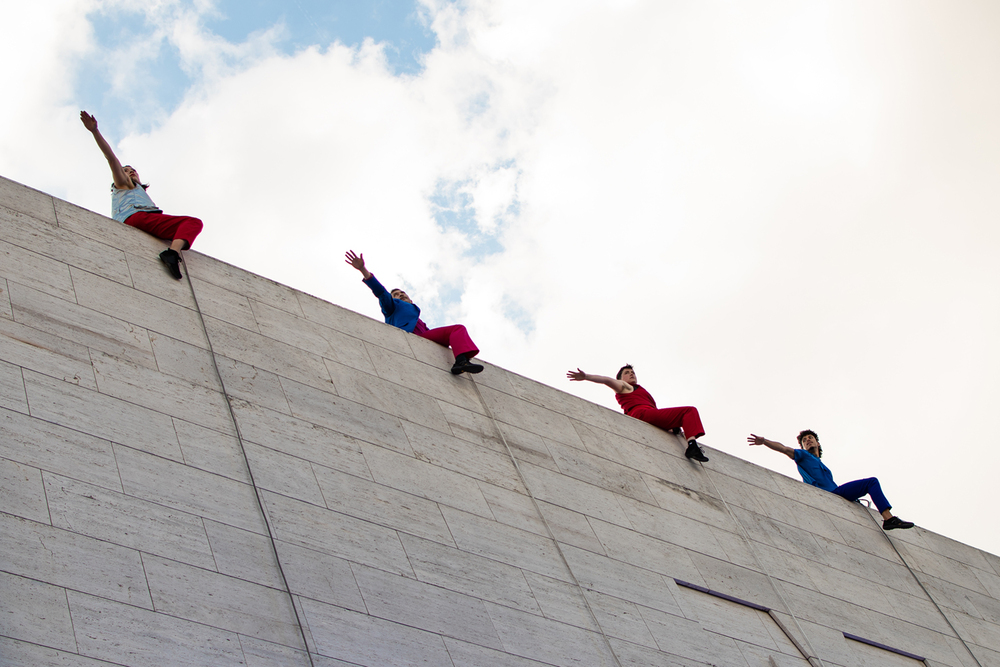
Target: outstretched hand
756, 440
358, 262
88, 121
576, 376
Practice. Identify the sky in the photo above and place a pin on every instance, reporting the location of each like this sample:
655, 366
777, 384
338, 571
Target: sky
783, 213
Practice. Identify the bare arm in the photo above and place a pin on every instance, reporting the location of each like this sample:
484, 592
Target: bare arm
117, 173
358, 262
619, 386
771, 444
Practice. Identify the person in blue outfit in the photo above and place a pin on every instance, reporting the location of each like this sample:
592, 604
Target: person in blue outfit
400, 312
815, 473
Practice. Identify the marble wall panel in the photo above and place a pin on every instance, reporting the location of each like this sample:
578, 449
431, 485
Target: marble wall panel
513, 508
203, 268
320, 576
42, 613
670, 527
38, 272
549, 641
139, 308
130, 522
188, 489
105, 231
382, 505
221, 601
12, 396
481, 577
570, 527
259, 653
356, 325
464, 654
102, 416
150, 277
446, 451
646, 552
435, 381
26, 200
705, 506
311, 337
476, 428
520, 413
252, 385
336, 534
365, 640
211, 451
72, 561
424, 606
22, 492
81, 325
284, 474
184, 361
129, 635
40, 444
599, 472
562, 601
689, 639
741, 582
559, 401
23, 654
575, 495
46, 354
6, 312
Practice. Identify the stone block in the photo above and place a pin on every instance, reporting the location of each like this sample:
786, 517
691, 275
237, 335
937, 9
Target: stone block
211, 451
5, 309
127, 635
646, 552
22, 492
312, 337
35, 612
12, 396
151, 278
670, 527
621, 580
689, 639
570, 527
165, 394
130, 522
559, 401
637, 456
203, 268
336, 534
602, 473
461, 571
283, 474
268, 354
77, 562
435, 381
139, 308
446, 451
403, 402
221, 601
23, 654
102, 416
64, 246
38, 272
574, 495
549, 641
251, 384
81, 325
520, 413
44, 445
526, 446
424, 606
26, 200
513, 508
188, 489
355, 325
705, 506
741, 582
186, 362
620, 618
634, 655
344, 416
563, 601
476, 428
383, 505
243, 554
105, 231
320, 576
301, 439
366, 640
417, 478
225, 305
46, 354
464, 654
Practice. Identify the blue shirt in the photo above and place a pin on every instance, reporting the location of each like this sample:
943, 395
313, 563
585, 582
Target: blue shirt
126, 202
398, 313
813, 471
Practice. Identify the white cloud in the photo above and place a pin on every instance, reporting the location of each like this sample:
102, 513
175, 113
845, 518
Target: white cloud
785, 218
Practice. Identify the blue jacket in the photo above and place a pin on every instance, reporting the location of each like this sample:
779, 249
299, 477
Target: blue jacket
397, 313
814, 471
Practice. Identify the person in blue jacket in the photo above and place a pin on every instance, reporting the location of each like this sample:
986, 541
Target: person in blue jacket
814, 472
400, 312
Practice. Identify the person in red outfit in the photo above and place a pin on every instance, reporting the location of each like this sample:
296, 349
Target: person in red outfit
130, 204
638, 403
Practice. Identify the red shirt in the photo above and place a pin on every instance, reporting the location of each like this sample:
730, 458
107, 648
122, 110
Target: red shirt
638, 396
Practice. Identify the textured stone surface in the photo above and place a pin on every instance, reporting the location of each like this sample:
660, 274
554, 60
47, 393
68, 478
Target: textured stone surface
223, 470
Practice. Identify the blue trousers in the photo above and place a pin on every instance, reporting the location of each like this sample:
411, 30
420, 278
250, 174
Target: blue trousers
861, 487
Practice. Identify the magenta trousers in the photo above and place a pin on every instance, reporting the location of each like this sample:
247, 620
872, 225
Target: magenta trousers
166, 227
454, 336
686, 418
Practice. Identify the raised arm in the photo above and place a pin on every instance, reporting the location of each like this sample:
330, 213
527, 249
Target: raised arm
117, 173
619, 386
771, 444
358, 262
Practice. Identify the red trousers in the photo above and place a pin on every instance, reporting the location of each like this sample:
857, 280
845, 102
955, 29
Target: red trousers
166, 227
454, 336
685, 418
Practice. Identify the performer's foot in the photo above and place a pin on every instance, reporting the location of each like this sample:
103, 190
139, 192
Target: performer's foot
895, 522
463, 365
172, 259
694, 451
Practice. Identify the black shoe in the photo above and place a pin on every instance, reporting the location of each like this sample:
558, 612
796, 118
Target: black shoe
694, 452
463, 365
172, 259
896, 522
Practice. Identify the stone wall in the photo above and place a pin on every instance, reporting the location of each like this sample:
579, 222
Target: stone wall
223, 470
